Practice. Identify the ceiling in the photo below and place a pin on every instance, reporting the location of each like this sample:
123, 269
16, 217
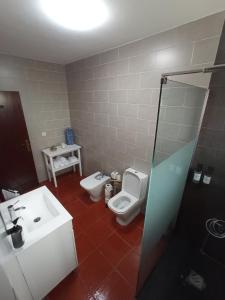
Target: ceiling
25, 31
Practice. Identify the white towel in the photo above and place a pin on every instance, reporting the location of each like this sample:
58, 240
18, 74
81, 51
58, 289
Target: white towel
56, 164
72, 159
60, 161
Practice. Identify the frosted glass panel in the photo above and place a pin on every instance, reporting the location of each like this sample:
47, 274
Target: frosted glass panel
180, 112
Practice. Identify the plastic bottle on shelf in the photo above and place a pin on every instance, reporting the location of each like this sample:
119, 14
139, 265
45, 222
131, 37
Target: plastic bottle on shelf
197, 174
208, 175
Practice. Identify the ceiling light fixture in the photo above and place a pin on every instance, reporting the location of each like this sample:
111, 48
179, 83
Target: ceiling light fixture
80, 15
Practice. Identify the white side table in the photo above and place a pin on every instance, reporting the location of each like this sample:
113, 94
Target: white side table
49, 155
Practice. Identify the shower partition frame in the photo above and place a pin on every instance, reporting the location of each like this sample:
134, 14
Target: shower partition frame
164, 79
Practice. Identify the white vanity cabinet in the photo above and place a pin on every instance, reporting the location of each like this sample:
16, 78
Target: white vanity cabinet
49, 252
48, 261
5, 287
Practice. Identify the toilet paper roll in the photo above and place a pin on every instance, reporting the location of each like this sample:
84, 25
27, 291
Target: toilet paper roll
114, 174
108, 187
108, 192
118, 177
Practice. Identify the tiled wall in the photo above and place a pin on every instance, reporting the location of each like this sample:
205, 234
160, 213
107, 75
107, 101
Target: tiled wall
211, 146
113, 96
43, 93
180, 112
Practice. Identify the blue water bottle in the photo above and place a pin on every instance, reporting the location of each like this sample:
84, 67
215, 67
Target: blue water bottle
69, 136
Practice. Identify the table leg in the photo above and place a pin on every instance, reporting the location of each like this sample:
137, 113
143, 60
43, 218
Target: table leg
74, 167
80, 167
46, 164
53, 172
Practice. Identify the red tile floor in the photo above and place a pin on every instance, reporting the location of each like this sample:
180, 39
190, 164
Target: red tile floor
108, 254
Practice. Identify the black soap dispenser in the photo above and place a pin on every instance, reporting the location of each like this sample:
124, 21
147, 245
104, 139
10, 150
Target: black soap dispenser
16, 233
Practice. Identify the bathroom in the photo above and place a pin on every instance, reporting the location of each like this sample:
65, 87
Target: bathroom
106, 84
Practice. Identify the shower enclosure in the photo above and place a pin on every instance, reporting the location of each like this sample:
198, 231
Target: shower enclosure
167, 250
180, 114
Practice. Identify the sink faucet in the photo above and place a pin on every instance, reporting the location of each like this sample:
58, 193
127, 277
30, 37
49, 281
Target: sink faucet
12, 210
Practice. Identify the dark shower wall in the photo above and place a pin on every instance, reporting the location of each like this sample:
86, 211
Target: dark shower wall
211, 145
201, 202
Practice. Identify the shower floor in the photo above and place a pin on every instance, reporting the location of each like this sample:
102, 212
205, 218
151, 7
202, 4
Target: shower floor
168, 281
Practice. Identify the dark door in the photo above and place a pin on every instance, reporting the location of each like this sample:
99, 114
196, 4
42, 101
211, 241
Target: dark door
17, 170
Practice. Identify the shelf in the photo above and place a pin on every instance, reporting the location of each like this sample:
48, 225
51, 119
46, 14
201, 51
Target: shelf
64, 167
61, 151
49, 158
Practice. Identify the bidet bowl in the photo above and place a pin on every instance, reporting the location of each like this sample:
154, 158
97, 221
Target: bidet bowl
94, 185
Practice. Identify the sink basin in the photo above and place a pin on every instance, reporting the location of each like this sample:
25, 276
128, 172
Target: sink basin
39, 211
43, 213
49, 252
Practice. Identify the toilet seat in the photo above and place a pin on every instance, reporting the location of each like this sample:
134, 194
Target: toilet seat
122, 202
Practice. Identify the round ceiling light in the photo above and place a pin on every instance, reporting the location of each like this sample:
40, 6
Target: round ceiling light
77, 15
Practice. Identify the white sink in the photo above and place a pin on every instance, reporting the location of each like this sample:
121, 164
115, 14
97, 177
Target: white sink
43, 214
49, 252
38, 212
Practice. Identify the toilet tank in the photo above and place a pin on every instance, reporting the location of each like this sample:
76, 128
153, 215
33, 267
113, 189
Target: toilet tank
135, 183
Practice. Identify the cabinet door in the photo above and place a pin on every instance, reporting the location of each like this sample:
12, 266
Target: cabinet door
5, 287
49, 261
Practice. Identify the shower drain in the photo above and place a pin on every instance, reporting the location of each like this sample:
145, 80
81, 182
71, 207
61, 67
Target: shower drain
37, 219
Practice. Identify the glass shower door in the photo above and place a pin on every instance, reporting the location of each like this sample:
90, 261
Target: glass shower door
181, 110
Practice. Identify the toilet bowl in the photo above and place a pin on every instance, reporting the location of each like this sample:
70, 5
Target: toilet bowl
126, 205
94, 185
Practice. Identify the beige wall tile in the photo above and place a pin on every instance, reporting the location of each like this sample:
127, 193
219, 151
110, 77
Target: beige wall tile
118, 96
205, 51
109, 56
43, 93
128, 110
129, 82
125, 94
144, 96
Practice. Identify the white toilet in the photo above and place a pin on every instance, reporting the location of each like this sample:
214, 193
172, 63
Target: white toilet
126, 205
94, 185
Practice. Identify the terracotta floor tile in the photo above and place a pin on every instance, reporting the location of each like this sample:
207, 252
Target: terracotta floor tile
84, 247
114, 288
94, 269
76, 208
110, 219
71, 288
138, 249
107, 252
84, 196
139, 220
76, 228
99, 232
131, 233
129, 266
86, 220
114, 249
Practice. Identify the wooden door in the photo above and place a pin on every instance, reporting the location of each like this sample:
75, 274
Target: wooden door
17, 170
